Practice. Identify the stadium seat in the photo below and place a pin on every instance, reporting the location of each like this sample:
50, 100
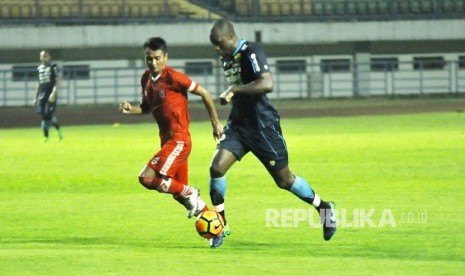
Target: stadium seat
426, 7
318, 9
244, 7
382, 7
174, 9
15, 11
275, 9
285, 9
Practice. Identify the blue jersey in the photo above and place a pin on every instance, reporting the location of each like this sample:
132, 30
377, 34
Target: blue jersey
48, 74
246, 64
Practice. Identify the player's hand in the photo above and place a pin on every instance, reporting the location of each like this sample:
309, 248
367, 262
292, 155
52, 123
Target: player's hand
226, 96
217, 130
52, 98
125, 107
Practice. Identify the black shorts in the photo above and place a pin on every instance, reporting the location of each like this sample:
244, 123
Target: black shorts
267, 144
46, 109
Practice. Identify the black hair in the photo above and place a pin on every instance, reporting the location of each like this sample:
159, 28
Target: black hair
224, 26
156, 43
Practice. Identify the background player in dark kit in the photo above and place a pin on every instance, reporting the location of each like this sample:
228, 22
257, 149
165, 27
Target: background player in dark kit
47, 93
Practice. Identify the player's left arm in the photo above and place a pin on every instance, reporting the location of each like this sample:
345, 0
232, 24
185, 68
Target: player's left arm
210, 106
261, 85
53, 96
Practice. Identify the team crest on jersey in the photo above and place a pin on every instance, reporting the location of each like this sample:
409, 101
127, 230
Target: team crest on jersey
272, 163
145, 93
162, 94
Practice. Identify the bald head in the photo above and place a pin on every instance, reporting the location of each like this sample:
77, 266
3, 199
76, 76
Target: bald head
223, 37
223, 27
45, 56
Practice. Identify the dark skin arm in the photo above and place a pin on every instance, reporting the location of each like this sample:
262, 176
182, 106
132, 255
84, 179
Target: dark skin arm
262, 85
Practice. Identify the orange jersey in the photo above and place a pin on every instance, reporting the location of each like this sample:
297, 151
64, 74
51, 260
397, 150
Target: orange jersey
165, 96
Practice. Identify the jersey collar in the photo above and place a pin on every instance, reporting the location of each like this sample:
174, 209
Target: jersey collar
154, 79
239, 46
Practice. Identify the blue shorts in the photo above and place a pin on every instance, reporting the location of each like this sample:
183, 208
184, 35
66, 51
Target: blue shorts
267, 144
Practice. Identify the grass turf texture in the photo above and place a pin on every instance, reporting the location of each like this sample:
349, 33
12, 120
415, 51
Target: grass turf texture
76, 208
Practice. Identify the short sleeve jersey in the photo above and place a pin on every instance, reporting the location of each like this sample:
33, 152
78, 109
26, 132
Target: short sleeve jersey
48, 74
165, 96
246, 64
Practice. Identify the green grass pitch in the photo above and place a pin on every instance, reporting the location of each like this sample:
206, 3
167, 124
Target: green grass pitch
76, 208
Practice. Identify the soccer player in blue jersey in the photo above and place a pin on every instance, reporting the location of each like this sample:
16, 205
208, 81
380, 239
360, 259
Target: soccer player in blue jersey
46, 96
253, 126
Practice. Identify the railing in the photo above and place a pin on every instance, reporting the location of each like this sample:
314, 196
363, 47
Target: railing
80, 12
111, 85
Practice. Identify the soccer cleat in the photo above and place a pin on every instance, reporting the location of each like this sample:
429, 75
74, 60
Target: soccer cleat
328, 219
226, 232
60, 135
193, 203
217, 241
45, 140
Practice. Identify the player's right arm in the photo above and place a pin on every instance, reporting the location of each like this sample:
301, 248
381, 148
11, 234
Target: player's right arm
126, 108
34, 102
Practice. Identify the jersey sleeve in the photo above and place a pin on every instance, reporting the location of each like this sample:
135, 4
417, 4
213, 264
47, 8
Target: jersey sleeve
257, 59
56, 71
184, 83
144, 105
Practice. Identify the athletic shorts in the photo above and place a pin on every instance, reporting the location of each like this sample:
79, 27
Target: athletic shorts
46, 109
267, 144
171, 160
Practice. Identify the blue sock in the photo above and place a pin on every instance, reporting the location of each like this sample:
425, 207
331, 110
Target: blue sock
218, 189
302, 189
217, 194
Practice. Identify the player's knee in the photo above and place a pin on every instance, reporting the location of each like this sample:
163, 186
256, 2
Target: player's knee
148, 182
284, 184
216, 171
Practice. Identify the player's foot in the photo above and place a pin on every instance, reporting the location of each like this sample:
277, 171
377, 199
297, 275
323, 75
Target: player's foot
45, 140
60, 135
193, 203
217, 241
328, 219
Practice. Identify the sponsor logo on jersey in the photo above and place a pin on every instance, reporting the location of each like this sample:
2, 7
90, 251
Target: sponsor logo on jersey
233, 74
155, 160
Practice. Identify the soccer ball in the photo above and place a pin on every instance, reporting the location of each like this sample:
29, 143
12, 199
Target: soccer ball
209, 224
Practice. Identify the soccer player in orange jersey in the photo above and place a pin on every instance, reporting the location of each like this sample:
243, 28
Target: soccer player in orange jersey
164, 94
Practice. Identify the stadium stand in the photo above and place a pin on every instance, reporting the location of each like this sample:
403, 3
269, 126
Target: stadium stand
130, 11
69, 9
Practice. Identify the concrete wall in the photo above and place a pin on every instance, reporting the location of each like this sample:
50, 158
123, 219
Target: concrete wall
191, 40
